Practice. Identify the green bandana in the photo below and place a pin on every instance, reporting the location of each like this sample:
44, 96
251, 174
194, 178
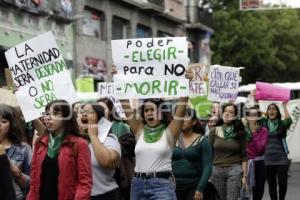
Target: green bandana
228, 132
54, 145
153, 134
273, 125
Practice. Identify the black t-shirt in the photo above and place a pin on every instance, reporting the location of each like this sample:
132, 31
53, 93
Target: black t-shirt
49, 179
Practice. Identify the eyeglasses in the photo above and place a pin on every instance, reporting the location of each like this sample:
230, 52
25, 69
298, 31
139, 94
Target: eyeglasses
51, 114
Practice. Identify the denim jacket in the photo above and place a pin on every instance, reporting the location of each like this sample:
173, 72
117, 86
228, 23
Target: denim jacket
20, 156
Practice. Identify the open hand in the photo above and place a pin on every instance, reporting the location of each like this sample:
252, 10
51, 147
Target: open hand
189, 74
92, 127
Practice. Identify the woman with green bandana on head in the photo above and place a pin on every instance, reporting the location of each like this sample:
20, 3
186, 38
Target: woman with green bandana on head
156, 139
230, 157
61, 163
276, 160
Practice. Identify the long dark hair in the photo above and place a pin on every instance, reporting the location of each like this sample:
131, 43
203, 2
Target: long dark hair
238, 126
197, 128
16, 134
281, 130
69, 118
113, 115
159, 103
99, 110
278, 116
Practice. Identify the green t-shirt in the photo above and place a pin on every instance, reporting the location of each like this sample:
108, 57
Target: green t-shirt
195, 171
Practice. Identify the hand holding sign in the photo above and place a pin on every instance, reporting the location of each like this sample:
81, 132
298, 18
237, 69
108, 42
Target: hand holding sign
38, 71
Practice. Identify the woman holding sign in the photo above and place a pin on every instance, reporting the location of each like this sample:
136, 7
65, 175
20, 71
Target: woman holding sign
230, 158
276, 160
61, 163
156, 139
105, 155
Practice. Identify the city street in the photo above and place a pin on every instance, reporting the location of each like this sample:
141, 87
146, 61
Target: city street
293, 192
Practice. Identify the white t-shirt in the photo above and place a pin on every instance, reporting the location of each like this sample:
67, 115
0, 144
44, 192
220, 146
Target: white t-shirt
103, 180
154, 157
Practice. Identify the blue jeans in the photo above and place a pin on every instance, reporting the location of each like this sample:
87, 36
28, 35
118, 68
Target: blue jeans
153, 189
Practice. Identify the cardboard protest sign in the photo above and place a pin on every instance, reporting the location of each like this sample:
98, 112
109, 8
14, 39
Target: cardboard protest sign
223, 83
8, 97
40, 74
198, 86
150, 67
267, 91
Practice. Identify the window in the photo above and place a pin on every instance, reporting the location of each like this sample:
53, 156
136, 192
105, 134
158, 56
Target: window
164, 34
120, 28
93, 23
143, 31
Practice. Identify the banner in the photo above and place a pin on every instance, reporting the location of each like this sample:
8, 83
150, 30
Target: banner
150, 67
223, 83
267, 91
40, 74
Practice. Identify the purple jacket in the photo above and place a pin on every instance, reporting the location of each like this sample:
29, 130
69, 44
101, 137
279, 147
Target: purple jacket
256, 146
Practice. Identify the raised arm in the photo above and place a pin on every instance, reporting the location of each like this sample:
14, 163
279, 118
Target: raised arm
135, 124
176, 124
108, 154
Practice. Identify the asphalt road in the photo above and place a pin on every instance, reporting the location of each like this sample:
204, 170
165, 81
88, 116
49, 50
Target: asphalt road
293, 192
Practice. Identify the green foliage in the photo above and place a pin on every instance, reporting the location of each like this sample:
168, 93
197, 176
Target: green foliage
266, 43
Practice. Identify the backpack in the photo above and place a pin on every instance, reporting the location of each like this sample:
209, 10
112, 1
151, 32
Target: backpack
125, 171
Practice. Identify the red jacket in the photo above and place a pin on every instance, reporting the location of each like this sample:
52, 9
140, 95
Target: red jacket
75, 171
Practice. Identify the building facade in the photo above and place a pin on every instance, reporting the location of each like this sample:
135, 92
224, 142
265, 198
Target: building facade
84, 28
21, 20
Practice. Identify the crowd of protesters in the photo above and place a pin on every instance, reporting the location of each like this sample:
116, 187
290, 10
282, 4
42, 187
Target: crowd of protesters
232, 154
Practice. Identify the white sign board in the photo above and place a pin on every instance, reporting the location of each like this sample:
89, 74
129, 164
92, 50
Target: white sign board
106, 90
40, 74
223, 83
150, 67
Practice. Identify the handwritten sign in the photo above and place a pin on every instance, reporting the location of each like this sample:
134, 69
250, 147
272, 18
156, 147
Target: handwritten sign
198, 86
267, 91
223, 83
150, 67
107, 90
40, 74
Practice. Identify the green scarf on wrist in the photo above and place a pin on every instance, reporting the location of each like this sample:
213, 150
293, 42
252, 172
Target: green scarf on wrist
228, 132
54, 144
152, 135
273, 125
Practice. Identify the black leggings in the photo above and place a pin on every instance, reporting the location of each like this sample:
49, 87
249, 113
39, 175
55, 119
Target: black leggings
277, 173
260, 179
185, 194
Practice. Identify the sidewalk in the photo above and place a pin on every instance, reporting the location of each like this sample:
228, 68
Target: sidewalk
293, 192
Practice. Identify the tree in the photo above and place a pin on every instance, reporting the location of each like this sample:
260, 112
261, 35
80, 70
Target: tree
266, 43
